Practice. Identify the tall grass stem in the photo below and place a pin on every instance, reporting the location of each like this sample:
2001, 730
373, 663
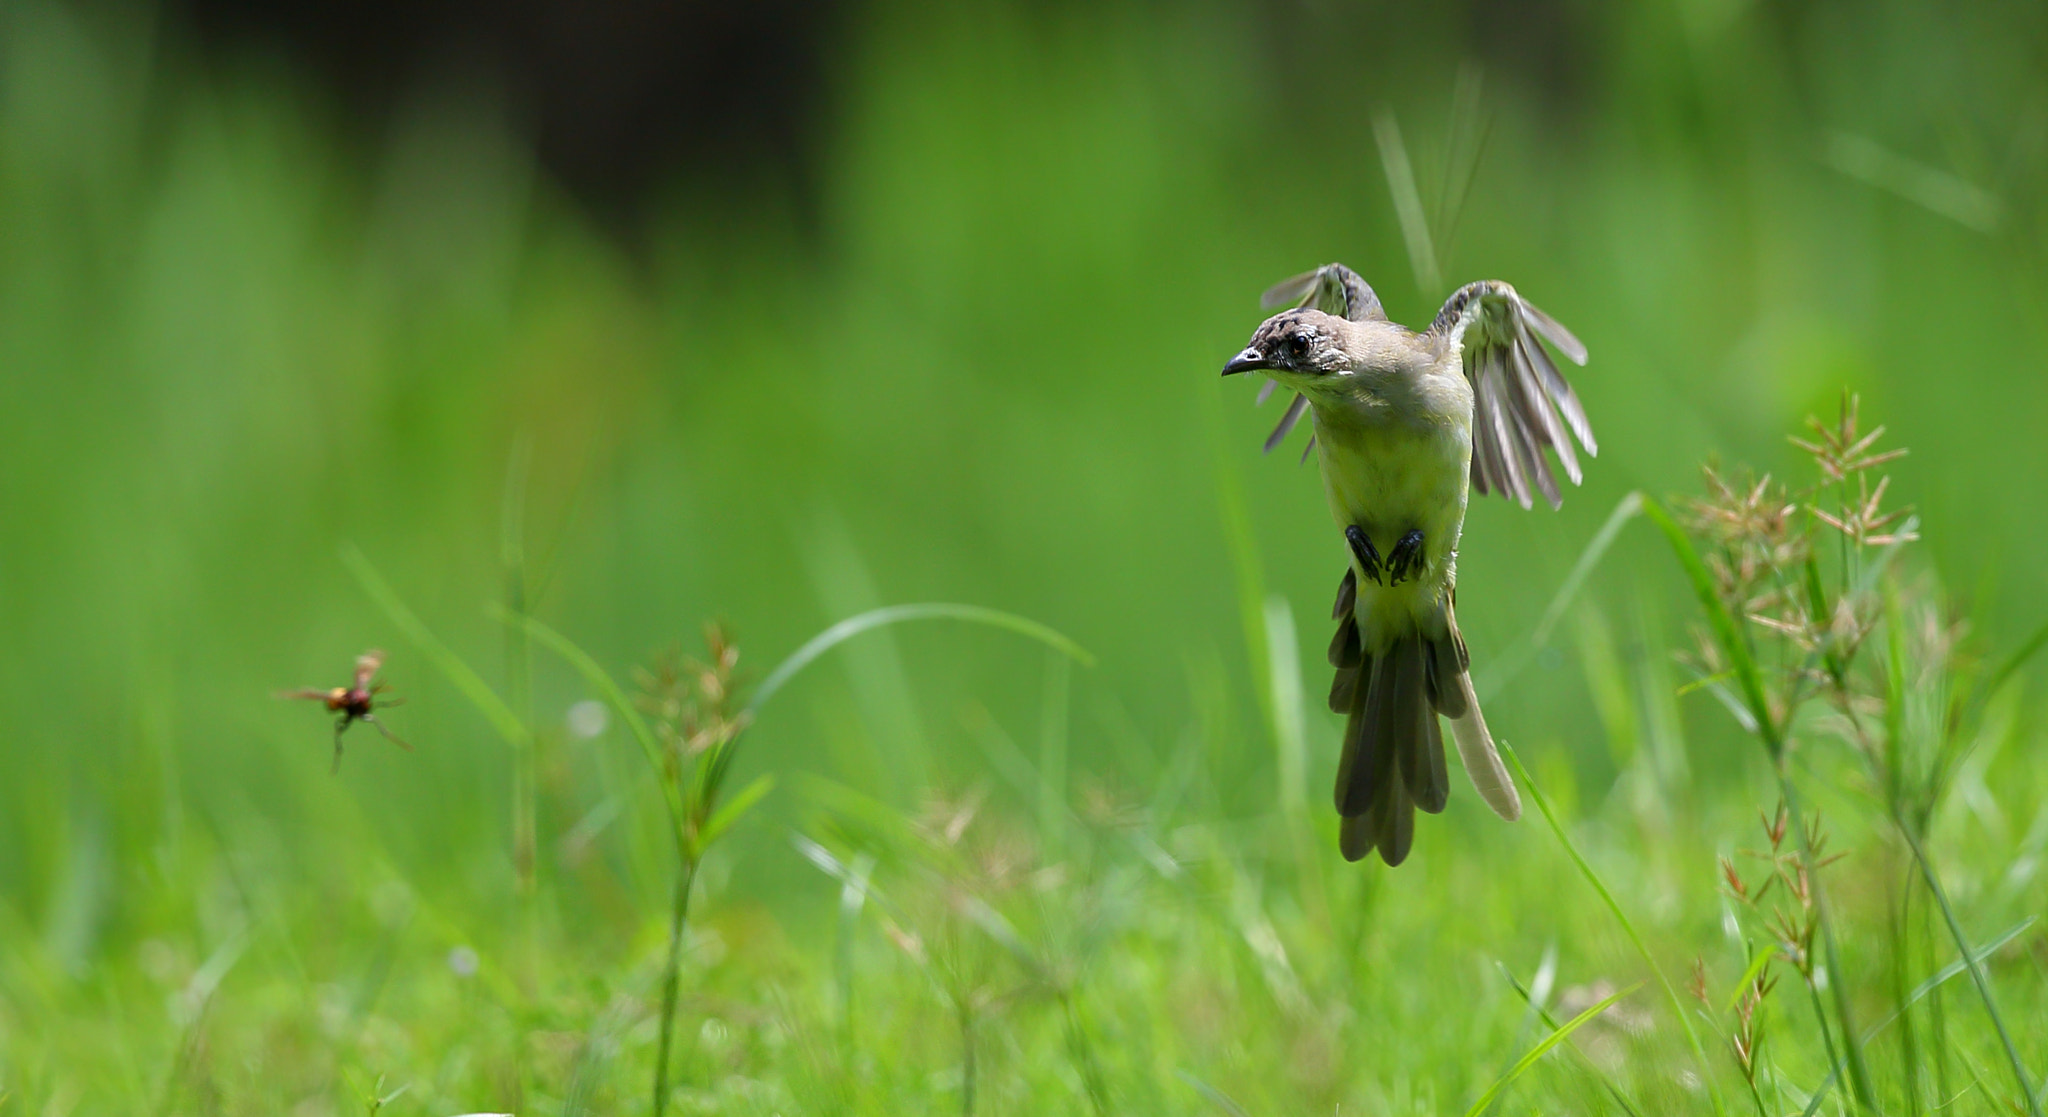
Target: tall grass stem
1692, 1036
519, 685
1838, 985
1955, 930
671, 981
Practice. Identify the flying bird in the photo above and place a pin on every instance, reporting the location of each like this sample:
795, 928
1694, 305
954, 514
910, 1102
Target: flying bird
354, 701
1406, 424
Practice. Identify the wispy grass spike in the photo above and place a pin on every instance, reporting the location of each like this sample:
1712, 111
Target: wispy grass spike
1386, 132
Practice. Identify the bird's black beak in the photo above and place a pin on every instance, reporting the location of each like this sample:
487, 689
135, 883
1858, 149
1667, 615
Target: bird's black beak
1251, 360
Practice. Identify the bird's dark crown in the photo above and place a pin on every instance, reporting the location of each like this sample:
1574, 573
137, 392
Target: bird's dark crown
1290, 340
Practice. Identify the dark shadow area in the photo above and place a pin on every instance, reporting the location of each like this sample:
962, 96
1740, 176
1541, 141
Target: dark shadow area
621, 100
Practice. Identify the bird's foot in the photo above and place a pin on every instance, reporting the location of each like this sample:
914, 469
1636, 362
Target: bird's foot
1362, 550
1407, 560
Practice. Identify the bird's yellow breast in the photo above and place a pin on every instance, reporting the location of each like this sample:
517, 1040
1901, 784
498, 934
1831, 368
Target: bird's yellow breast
1392, 468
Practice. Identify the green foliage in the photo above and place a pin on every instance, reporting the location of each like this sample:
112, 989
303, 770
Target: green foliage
238, 335
1557, 1035
1621, 919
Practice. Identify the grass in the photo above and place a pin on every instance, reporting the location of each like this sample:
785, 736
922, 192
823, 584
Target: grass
1768, 549
1620, 918
985, 881
689, 752
1165, 959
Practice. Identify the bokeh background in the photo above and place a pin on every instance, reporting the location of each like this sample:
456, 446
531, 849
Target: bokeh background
784, 311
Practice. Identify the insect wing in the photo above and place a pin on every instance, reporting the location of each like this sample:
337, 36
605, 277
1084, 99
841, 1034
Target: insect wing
366, 667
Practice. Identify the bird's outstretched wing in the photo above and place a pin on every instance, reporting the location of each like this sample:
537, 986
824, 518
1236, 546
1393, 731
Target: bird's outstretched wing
1518, 395
1333, 289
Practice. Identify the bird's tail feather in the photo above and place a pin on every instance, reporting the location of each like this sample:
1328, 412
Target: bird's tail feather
1482, 761
1393, 758
1450, 691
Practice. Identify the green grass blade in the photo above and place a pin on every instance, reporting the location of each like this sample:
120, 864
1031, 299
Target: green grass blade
1729, 701
1838, 984
1941, 976
1820, 1019
1977, 1079
1248, 572
1470, 127
1729, 635
895, 614
1950, 971
2016, 660
1977, 977
1820, 1092
1508, 667
824, 859
1692, 1035
1286, 708
444, 660
1895, 686
1542, 1048
1051, 794
999, 930
1290, 734
1817, 605
1727, 632
734, 806
1756, 967
848, 876
1628, 509
607, 688
1614, 1089
1212, 1095
1407, 202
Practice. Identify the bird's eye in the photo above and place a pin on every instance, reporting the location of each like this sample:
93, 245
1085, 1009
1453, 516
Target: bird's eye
1298, 345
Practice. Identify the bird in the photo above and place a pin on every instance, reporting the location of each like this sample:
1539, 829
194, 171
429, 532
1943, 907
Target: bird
1406, 425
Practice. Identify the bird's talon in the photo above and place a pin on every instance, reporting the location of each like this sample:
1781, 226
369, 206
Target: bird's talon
1407, 559
1362, 550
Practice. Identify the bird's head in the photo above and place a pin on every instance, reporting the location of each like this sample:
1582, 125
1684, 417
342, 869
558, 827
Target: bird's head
1302, 349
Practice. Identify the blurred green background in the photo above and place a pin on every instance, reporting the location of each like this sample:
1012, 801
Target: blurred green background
968, 354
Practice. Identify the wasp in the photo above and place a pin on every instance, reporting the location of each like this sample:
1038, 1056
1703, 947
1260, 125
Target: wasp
354, 702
